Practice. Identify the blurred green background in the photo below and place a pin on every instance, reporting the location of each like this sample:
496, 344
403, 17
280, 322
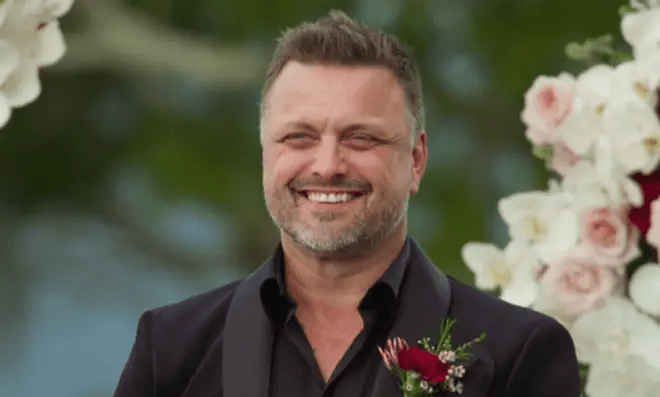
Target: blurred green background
134, 180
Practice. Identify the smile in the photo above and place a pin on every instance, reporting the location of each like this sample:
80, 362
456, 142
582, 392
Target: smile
329, 197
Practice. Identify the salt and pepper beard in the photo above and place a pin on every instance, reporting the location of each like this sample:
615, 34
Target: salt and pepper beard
366, 229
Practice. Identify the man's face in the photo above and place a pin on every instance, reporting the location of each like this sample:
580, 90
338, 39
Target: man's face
338, 133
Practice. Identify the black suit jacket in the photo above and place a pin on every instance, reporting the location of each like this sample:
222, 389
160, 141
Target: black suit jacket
220, 343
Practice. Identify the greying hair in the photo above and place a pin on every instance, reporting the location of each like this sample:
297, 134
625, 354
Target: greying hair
337, 39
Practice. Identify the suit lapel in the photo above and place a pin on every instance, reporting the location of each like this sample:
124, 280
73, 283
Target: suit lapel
424, 302
247, 344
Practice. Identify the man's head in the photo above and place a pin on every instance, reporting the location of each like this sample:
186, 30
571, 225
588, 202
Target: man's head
340, 40
341, 114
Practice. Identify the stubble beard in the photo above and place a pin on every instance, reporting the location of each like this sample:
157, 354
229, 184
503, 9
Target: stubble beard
326, 235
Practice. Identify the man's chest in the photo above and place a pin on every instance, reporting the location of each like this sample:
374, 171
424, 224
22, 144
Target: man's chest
330, 342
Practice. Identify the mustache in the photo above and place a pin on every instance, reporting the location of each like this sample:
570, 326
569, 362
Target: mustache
307, 183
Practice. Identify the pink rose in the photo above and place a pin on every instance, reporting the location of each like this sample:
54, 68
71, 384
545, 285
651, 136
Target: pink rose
576, 284
547, 104
653, 234
608, 236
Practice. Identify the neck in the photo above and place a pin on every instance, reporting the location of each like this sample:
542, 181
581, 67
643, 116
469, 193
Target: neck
319, 283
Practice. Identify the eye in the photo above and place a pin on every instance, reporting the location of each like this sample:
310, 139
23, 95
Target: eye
296, 135
362, 137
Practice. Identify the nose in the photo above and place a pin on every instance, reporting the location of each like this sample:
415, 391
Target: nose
329, 161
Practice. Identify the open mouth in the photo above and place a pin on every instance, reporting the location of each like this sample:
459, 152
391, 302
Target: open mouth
329, 197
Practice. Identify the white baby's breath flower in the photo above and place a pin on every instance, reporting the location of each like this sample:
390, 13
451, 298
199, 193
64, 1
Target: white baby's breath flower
546, 221
615, 331
644, 287
459, 371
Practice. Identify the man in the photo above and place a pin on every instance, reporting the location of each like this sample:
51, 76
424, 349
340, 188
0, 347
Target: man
344, 146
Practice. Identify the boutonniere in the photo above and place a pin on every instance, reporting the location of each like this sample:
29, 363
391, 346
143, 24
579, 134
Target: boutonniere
424, 370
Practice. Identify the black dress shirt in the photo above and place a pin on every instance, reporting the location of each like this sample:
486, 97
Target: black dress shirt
295, 371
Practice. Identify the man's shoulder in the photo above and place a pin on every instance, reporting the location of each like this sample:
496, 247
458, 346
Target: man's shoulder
506, 324
208, 308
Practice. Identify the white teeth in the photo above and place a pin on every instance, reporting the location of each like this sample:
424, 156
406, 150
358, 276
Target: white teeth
330, 198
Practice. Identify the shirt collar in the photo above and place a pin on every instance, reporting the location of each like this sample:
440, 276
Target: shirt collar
277, 302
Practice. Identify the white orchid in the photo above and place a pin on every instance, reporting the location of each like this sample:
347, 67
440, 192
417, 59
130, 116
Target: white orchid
641, 27
30, 38
645, 287
9, 60
594, 88
630, 377
601, 188
512, 269
633, 130
615, 331
546, 221
637, 79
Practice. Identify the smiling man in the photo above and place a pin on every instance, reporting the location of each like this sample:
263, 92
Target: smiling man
344, 147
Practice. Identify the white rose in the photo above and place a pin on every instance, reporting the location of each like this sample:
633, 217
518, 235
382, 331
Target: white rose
644, 287
546, 221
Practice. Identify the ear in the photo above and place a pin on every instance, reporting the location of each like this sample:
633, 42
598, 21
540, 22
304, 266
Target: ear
420, 154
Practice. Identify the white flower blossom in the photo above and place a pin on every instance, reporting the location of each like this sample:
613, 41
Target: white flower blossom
633, 129
512, 270
546, 221
594, 88
609, 334
637, 79
644, 287
641, 27
30, 38
630, 377
601, 185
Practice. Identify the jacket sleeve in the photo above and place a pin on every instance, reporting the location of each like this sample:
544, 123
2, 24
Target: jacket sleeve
547, 365
136, 379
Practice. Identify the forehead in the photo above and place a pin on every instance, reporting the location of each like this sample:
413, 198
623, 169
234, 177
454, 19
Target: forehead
336, 90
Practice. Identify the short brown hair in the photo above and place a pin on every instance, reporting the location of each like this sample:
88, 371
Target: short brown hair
338, 39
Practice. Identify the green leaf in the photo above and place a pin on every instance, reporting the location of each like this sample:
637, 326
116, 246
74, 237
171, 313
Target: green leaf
544, 152
619, 57
625, 9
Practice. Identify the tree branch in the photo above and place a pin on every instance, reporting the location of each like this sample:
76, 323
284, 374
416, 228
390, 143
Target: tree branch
118, 38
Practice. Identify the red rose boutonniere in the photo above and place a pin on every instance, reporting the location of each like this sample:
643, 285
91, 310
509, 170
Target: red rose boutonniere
425, 371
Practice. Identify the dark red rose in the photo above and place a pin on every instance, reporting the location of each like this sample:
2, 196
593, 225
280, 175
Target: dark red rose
650, 185
428, 365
